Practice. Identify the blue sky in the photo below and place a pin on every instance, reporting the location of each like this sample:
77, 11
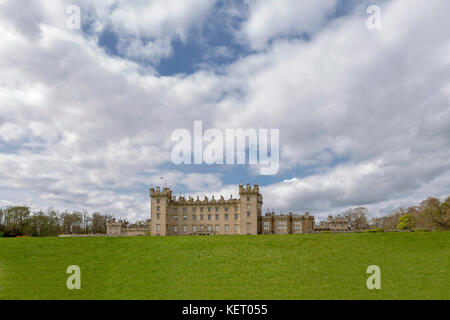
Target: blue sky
86, 116
217, 31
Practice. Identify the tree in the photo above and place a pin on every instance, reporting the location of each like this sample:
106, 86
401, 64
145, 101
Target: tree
38, 223
54, 226
17, 220
99, 223
44, 224
2, 214
436, 213
72, 223
406, 222
357, 218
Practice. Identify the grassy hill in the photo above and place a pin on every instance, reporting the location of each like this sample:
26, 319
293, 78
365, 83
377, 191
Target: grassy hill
314, 266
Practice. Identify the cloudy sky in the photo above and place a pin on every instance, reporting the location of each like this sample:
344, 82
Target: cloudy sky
86, 115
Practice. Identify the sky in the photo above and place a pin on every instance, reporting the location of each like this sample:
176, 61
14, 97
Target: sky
86, 115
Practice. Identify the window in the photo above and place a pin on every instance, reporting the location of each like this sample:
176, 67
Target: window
226, 209
184, 210
236, 216
194, 217
184, 217
226, 228
282, 225
248, 214
157, 216
297, 225
202, 227
209, 217
217, 209
226, 216
194, 228
209, 209
158, 208
266, 226
217, 228
236, 228
175, 228
184, 229
175, 210
249, 226
157, 200
175, 217
209, 227
249, 206
201, 217
158, 227
201, 209
248, 198
235, 209
193, 209
217, 217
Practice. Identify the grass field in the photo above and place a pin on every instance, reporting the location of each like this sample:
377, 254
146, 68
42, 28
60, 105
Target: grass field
314, 266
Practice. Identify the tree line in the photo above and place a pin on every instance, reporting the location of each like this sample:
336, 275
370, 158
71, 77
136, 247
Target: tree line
20, 221
430, 214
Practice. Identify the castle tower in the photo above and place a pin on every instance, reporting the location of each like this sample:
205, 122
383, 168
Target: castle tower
250, 209
159, 211
114, 228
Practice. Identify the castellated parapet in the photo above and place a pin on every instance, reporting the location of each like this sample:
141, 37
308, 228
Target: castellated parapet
122, 228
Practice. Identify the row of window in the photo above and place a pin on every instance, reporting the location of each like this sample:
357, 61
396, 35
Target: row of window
282, 225
209, 216
194, 209
202, 228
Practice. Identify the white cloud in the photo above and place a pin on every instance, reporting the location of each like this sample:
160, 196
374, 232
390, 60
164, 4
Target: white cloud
146, 29
274, 18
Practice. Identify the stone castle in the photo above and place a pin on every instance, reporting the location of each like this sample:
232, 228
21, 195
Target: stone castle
123, 228
188, 216
334, 224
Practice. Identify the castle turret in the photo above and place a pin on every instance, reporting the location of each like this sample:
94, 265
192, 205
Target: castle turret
159, 210
251, 206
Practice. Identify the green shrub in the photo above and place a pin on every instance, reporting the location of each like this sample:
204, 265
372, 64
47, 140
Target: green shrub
421, 230
375, 230
1, 234
406, 222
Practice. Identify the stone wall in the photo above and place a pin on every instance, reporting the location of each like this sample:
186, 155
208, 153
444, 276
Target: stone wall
287, 224
334, 224
121, 228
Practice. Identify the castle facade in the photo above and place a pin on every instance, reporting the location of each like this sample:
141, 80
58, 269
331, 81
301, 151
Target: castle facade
189, 216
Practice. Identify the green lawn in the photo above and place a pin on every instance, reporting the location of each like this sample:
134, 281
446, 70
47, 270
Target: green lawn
314, 266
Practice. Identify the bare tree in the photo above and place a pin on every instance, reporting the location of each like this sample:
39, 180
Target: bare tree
357, 218
437, 213
99, 222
